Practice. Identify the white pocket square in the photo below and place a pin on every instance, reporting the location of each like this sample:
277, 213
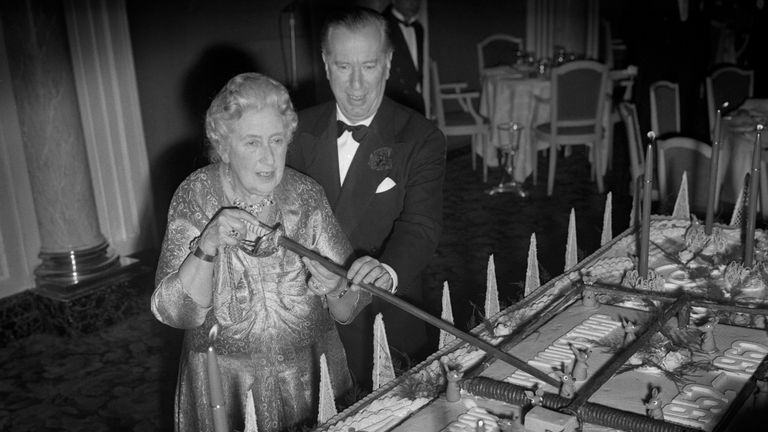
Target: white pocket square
385, 185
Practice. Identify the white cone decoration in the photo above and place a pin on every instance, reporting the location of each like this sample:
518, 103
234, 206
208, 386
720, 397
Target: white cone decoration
737, 217
447, 316
250, 414
491, 290
327, 405
383, 371
607, 233
532, 272
571, 257
682, 207
633, 211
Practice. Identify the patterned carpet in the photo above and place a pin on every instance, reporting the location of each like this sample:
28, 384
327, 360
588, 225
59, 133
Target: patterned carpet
122, 378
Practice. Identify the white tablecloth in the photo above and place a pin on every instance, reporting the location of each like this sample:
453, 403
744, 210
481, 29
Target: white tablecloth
509, 96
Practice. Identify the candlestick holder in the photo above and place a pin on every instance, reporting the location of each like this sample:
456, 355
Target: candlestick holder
508, 151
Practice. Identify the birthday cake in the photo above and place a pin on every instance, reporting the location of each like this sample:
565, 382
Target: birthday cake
683, 348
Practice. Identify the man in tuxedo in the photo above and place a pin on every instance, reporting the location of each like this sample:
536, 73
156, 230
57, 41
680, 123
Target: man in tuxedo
407, 36
382, 167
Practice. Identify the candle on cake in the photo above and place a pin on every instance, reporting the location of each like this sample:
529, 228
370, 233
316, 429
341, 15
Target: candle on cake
645, 222
754, 185
713, 167
215, 386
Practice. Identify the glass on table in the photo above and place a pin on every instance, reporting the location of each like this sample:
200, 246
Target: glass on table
507, 151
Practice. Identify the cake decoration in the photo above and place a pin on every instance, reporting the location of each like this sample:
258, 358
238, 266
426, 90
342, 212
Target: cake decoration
630, 330
327, 404
589, 298
682, 209
447, 316
654, 404
567, 386
535, 397
606, 234
532, 270
580, 367
383, 370
491, 291
250, 414
737, 216
452, 375
571, 254
707, 336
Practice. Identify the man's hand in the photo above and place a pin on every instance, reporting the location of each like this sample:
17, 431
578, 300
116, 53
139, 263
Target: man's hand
369, 270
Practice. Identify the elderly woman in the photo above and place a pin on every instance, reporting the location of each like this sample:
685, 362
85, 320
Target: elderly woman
274, 310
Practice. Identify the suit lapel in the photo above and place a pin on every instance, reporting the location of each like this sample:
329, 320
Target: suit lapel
362, 179
419, 46
324, 159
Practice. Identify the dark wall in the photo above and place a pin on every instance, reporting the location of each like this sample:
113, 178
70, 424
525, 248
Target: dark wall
185, 50
457, 27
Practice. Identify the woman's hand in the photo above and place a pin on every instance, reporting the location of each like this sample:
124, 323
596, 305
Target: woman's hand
322, 281
227, 227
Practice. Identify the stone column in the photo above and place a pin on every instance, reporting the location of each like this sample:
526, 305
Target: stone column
73, 249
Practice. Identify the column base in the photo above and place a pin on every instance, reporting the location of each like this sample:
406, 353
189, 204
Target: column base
74, 267
68, 276
87, 306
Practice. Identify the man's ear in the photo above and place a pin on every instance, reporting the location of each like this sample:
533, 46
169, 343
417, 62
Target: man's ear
325, 63
388, 63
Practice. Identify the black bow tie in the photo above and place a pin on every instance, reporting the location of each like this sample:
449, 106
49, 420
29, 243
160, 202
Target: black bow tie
358, 131
406, 23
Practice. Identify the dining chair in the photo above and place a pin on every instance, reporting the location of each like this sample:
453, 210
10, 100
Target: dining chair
628, 113
635, 147
496, 50
462, 121
665, 108
577, 100
727, 83
683, 154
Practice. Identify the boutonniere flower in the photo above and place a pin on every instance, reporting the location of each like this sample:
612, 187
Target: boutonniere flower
380, 159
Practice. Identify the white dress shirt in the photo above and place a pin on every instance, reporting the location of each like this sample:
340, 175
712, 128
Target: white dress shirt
409, 34
347, 147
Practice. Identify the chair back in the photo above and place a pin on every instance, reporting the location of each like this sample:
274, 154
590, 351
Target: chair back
497, 49
682, 154
728, 84
578, 94
628, 113
665, 108
437, 100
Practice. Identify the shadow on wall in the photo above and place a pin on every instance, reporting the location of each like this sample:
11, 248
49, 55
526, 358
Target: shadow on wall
217, 64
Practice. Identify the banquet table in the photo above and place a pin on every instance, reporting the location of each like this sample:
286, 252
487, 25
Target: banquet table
738, 145
510, 95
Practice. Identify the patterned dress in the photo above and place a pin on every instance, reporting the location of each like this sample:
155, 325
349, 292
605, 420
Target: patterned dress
272, 329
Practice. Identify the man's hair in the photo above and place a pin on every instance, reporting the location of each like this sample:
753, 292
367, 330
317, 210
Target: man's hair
355, 19
243, 92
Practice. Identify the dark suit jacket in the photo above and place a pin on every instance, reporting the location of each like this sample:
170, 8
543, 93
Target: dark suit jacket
400, 227
404, 76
